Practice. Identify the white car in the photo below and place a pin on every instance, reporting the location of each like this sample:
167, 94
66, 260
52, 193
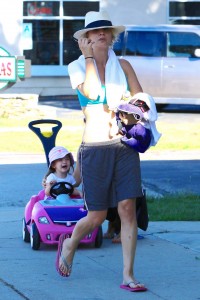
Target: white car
166, 59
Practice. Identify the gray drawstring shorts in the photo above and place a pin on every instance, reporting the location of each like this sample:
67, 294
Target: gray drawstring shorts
110, 173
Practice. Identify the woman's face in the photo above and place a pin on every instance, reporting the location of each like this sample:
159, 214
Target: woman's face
101, 36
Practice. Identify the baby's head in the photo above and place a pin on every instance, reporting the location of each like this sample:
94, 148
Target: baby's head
134, 108
59, 152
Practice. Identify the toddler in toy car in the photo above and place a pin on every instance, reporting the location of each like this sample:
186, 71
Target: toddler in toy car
60, 162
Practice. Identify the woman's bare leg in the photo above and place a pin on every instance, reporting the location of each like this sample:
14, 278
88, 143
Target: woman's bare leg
127, 212
82, 228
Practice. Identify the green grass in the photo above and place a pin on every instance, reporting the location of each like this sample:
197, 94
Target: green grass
179, 136
175, 136
18, 138
177, 207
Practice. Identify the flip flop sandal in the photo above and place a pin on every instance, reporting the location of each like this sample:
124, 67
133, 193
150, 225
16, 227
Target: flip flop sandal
60, 255
133, 289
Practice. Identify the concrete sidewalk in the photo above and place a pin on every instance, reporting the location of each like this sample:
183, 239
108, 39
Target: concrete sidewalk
167, 261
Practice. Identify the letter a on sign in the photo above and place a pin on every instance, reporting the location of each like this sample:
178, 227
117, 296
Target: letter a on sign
27, 40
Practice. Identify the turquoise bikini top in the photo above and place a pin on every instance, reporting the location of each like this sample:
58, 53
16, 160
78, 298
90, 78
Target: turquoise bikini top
101, 99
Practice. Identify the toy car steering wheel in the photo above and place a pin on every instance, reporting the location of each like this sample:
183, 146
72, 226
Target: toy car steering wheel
61, 188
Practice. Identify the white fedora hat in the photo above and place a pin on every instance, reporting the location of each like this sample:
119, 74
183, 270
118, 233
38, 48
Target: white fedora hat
96, 20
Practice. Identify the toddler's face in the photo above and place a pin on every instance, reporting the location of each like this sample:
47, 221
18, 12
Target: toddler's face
62, 164
127, 119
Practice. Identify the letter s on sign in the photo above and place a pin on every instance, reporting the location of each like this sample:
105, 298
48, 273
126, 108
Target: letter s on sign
9, 69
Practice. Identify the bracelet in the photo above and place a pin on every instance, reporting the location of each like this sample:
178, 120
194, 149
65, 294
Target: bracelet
89, 57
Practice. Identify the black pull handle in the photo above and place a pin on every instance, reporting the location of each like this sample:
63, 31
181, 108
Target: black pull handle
48, 141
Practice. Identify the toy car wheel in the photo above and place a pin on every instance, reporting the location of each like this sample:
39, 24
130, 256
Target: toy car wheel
25, 232
99, 238
35, 237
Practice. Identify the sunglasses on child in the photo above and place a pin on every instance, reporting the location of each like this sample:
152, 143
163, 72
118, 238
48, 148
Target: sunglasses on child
140, 103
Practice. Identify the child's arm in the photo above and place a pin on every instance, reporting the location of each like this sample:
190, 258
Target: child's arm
49, 182
78, 193
77, 173
48, 187
44, 182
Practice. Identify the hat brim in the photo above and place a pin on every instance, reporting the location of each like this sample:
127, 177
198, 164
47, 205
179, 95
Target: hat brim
130, 109
61, 155
82, 33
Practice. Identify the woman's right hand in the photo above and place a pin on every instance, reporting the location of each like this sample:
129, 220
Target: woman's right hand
85, 46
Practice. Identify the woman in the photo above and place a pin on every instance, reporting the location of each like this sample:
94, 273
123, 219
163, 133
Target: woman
110, 171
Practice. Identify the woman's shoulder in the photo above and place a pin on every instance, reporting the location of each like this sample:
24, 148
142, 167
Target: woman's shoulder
131, 76
126, 66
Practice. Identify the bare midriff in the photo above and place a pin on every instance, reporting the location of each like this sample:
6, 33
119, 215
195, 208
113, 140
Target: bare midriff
100, 124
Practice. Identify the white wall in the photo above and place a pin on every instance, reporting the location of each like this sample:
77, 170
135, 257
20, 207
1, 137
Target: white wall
134, 12
11, 26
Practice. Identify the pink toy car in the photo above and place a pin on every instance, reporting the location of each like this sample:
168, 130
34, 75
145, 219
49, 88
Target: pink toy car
46, 219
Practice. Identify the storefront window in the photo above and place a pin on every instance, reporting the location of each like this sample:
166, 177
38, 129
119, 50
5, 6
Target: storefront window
41, 8
53, 25
184, 9
79, 8
45, 43
70, 46
184, 12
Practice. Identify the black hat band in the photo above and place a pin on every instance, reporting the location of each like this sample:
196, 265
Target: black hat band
102, 23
